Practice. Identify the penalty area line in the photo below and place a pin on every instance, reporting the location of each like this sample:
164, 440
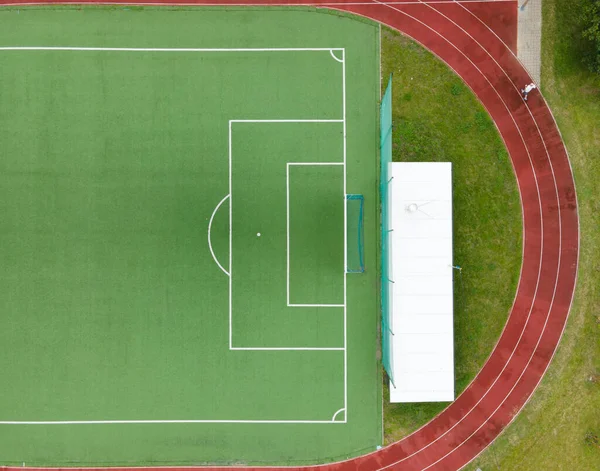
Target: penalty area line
286, 120
314, 163
290, 349
316, 305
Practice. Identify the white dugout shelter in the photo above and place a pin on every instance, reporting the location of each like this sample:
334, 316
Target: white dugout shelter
420, 289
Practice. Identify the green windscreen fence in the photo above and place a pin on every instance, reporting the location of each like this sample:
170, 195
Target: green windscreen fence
354, 234
385, 121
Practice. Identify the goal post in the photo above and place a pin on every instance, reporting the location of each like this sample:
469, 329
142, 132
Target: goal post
355, 234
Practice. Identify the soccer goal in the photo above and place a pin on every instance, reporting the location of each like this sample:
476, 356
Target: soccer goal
355, 237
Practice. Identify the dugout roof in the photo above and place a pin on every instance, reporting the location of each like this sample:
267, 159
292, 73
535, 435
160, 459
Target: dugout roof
420, 219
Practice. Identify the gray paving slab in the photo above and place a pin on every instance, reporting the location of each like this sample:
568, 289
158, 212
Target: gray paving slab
529, 37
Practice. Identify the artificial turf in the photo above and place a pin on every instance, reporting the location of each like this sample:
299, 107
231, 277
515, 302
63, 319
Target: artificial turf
112, 305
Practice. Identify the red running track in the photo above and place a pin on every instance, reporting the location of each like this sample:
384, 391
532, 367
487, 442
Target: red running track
456, 34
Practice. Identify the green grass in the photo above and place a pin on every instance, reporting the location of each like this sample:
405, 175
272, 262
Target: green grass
550, 432
112, 307
437, 118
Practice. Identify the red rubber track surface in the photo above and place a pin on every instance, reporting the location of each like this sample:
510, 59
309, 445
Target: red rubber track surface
460, 37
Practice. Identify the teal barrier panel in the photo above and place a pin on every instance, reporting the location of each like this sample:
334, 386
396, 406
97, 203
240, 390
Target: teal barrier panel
385, 156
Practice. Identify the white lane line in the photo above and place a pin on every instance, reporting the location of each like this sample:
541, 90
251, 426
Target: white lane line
578, 220
541, 248
535, 349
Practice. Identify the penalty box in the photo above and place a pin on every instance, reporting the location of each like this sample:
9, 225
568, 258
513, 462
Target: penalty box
287, 286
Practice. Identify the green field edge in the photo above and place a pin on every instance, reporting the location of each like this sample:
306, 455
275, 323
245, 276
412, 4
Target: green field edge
140, 8
233, 460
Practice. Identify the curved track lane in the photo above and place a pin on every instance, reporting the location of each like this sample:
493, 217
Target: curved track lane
550, 230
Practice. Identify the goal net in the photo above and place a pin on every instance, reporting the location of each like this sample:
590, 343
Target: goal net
354, 234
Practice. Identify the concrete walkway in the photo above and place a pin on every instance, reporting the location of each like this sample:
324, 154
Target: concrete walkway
529, 37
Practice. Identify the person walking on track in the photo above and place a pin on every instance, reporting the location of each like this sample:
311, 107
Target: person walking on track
525, 91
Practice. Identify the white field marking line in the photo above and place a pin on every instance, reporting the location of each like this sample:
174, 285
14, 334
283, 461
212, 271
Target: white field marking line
76, 422
336, 414
97, 422
287, 230
315, 305
345, 191
541, 251
286, 121
287, 216
293, 349
230, 243
165, 49
335, 57
90, 422
231, 347
314, 163
134, 49
209, 239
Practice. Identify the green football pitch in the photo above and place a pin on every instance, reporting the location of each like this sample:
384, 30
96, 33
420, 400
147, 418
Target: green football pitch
173, 236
